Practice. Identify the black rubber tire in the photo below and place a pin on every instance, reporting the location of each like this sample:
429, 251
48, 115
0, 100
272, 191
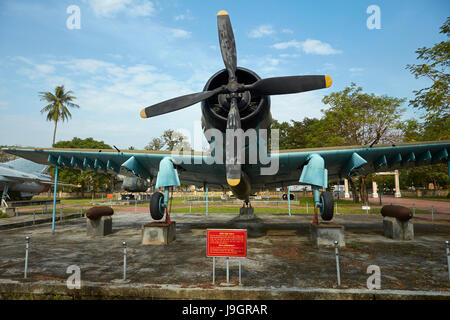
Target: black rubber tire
326, 210
155, 208
292, 196
284, 197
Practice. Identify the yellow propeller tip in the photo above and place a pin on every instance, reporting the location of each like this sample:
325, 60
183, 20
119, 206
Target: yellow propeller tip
233, 182
222, 13
143, 114
328, 81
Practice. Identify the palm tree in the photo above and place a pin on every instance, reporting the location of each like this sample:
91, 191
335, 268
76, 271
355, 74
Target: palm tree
57, 108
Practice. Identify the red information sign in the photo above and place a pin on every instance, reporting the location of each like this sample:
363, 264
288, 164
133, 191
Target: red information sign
109, 196
226, 243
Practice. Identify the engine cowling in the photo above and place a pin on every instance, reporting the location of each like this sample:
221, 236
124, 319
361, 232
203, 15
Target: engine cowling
254, 114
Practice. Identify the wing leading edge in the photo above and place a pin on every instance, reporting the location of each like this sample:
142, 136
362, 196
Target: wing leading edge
192, 169
343, 162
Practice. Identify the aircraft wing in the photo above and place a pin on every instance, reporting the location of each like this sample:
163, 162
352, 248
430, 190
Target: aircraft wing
342, 162
143, 164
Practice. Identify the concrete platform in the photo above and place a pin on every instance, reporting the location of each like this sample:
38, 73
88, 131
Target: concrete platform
281, 262
99, 227
398, 230
158, 233
325, 233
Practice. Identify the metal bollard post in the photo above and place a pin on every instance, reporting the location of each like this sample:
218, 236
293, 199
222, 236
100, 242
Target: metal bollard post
336, 250
414, 209
26, 256
432, 213
306, 207
448, 258
34, 217
336, 208
124, 260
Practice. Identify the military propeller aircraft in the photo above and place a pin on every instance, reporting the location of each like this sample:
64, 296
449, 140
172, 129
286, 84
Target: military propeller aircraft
237, 99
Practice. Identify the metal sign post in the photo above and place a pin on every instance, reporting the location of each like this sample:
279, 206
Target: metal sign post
226, 243
214, 270
228, 269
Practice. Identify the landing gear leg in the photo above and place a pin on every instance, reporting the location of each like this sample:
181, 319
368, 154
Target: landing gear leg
4, 195
316, 205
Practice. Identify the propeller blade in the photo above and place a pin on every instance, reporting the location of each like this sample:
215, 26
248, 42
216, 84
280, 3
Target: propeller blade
178, 103
233, 169
287, 85
227, 44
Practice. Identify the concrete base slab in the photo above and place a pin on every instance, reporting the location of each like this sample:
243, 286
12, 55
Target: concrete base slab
246, 213
10, 212
325, 233
99, 227
158, 233
398, 230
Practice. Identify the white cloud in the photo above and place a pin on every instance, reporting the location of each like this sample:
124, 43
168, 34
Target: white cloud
288, 31
184, 16
110, 97
297, 106
309, 46
318, 47
109, 8
356, 70
180, 33
261, 31
289, 44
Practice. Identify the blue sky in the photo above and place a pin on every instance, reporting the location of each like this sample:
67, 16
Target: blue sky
129, 54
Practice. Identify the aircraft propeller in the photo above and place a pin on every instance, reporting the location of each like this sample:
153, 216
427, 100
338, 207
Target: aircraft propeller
268, 86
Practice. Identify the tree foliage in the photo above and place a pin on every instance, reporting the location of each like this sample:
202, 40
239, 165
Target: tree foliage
362, 119
88, 180
435, 99
57, 107
168, 141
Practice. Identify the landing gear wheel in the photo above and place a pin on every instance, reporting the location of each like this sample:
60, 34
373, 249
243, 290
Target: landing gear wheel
285, 196
326, 208
156, 206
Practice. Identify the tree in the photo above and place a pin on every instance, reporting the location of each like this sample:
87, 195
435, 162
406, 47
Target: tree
413, 131
435, 99
359, 118
169, 140
86, 179
57, 109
